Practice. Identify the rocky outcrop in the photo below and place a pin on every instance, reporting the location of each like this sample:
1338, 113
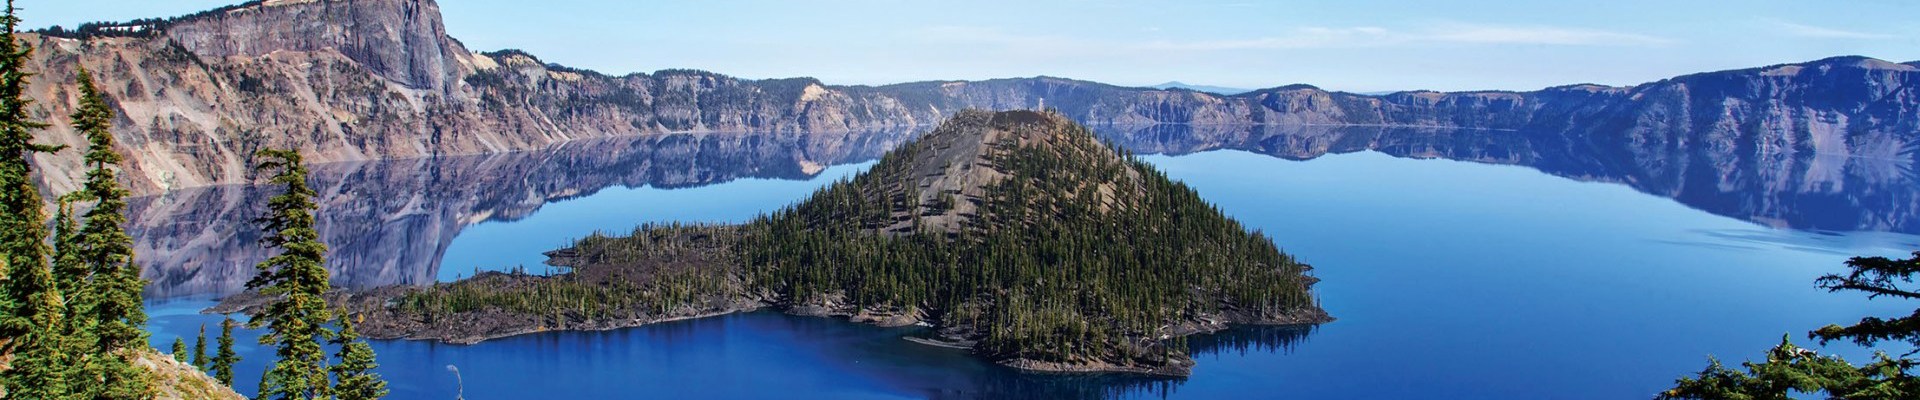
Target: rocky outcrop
355, 80
371, 80
401, 41
175, 380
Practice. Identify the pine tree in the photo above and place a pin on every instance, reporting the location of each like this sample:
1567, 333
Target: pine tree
200, 348
1789, 369
297, 279
114, 312
31, 309
353, 376
224, 358
180, 349
70, 275
69, 271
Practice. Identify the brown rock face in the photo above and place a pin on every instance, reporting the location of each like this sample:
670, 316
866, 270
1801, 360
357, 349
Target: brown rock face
379, 79
401, 41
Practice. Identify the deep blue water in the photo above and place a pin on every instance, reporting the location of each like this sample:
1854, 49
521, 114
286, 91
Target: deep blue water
1450, 279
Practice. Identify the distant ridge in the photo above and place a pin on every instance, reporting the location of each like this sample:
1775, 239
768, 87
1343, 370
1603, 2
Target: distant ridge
1221, 90
380, 79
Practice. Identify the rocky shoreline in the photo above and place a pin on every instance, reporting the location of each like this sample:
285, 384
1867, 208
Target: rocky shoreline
383, 321
472, 328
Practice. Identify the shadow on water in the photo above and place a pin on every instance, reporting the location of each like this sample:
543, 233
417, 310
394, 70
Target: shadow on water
1009, 383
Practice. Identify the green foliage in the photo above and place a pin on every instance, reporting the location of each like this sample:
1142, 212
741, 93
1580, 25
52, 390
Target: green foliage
1077, 249
224, 358
353, 376
200, 348
1789, 369
32, 312
72, 321
180, 350
69, 271
110, 302
564, 294
108, 247
1878, 277
296, 278
70, 274
619, 294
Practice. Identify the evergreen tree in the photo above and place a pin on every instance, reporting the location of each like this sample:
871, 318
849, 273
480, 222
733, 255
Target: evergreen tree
1877, 277
180, 350
69, 271
1789, 369
296, 278
353, 376
200, 348
225, 357
70, 275
31, 309
114, 313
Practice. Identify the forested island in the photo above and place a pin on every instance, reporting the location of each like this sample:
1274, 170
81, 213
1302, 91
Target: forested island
1017, 234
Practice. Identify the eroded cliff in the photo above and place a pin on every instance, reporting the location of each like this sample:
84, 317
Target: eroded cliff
380, 79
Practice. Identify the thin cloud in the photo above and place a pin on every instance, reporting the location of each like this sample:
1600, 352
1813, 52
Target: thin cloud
1809, 31
1547, 35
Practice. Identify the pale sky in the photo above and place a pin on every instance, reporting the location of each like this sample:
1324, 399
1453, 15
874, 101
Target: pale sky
1356, 45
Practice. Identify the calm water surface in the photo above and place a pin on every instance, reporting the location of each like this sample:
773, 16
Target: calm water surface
1451, 280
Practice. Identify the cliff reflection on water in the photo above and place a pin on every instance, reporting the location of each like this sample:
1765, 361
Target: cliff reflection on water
1868, 189
391, 222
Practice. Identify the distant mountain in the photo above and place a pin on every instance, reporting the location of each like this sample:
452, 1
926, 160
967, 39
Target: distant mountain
1201, 88
380, 79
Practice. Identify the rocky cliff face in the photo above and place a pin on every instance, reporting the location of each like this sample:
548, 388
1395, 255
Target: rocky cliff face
379, 79
349, 80
400, 41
